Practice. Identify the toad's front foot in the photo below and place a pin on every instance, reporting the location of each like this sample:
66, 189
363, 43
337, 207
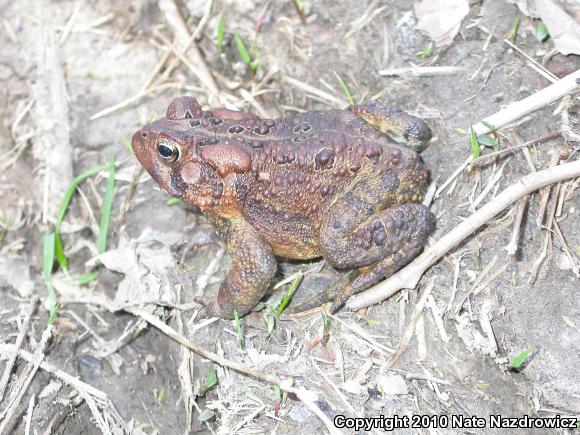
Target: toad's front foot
392, 121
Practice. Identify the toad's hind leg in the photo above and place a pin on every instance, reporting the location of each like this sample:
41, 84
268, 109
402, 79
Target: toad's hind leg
368, 229
377, 247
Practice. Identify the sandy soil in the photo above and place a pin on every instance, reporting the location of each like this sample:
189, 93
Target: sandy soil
143, 382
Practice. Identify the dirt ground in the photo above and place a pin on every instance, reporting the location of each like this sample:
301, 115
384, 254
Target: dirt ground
134, 377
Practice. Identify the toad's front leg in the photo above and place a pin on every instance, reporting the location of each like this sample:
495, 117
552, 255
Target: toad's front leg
253, 267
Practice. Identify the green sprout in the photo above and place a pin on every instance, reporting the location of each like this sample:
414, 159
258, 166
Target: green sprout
426, 52
515, 28
345, 89
220, 33
475, 148
252, 62
518, 360
239, 330
542, 32
211, 380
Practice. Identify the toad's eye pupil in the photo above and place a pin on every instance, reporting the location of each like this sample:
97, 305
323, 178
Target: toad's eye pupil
165, 151
168, 151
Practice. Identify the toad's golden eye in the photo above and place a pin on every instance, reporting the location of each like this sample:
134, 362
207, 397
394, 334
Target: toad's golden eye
168, 151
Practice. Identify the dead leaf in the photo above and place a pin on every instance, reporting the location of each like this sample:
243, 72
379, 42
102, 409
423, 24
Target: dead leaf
392, 385
352, 386
441, 19
563, 29
148, 266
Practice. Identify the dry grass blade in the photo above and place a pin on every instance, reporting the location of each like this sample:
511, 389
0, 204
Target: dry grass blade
491, 183
369, 14
410, 275
192, 66
415, 316
265, 113
549, 223
454, 175
572, 258
12, 408
422, 71
316, 92
554, 160
476, 285
535, 65
174, 19
18, 343
358, 330
131, 100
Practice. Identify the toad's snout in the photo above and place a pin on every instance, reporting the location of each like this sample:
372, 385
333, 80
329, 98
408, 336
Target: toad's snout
139, 140
143, 147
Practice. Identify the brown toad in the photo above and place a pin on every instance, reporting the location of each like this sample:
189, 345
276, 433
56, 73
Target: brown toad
319, 184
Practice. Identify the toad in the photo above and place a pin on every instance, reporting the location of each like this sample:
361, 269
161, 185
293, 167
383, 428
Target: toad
319, 184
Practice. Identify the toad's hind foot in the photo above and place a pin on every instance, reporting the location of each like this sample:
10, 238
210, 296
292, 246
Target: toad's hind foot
399, 125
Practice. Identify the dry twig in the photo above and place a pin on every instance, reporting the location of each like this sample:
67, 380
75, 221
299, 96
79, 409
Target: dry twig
174, 19
521, 108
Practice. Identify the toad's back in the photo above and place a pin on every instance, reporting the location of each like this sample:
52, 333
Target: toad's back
303, 162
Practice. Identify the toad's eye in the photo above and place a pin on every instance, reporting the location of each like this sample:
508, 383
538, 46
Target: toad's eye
168, 151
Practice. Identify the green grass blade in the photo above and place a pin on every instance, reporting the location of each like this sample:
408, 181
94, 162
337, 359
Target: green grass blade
48, 244
220, 33
244, 54
345, 89
515, 28
127, 144
288, 295
239, 330
86, 278
475, 148
59, 251
107, 206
